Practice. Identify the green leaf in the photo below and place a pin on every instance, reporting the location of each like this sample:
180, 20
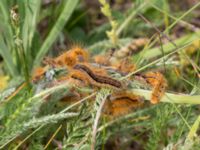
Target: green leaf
6, 39
168, 47
170, 97
31, 11
5, 53
62, 20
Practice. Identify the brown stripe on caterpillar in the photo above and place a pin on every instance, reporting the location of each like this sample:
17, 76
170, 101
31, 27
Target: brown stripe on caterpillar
123, 94
122, 102
126, 98
98, 78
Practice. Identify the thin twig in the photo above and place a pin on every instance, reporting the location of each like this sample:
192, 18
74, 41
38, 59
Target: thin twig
181, 22
162, 50
25, 138
96, 121
56, 132
129, 19
79, 102
154, 62
157, 30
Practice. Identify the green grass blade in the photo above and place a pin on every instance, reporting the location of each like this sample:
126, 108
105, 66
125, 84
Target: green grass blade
4, 9
155, 52
6, 39
187, 24
182, 16
28, 12
7, 57
32, 9
179, 19
170, 97
129, 19
62, 20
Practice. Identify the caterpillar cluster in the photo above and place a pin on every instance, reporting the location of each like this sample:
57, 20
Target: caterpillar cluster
83, 73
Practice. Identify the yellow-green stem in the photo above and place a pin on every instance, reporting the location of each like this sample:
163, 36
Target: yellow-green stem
170, 97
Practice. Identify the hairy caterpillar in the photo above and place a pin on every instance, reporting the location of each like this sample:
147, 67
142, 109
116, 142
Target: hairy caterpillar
67, 59
122, 102
71, 57
100, 79
159, 84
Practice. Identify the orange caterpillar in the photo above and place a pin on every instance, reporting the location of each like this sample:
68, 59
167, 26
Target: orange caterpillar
159, 84
69, 58
122, 102
39, 73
